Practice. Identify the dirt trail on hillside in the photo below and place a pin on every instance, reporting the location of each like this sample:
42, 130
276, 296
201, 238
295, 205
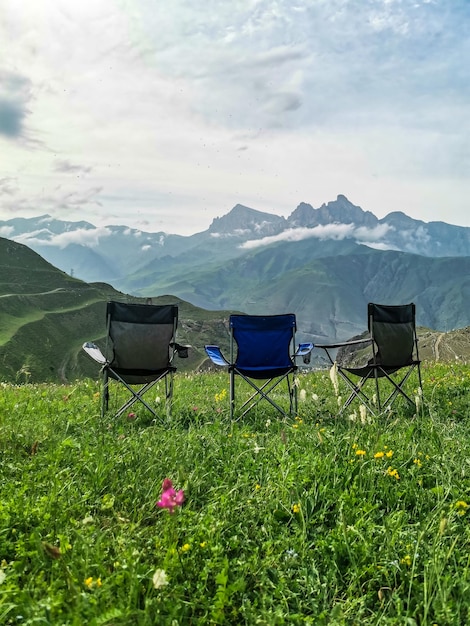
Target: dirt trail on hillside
41, 293
436, 346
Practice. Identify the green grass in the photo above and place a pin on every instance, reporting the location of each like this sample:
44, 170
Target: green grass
316, 520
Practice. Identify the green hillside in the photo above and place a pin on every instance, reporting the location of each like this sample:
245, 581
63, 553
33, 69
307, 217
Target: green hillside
328, 285
46, 315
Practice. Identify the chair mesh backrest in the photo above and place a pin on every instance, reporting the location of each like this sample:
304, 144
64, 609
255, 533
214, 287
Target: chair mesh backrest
141, 335
393, 330
263, 341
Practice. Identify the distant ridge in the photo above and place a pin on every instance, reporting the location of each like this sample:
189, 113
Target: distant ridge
324, 264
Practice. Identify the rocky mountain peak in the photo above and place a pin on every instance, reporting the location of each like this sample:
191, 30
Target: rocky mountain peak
242, 220
343, 211
339, 211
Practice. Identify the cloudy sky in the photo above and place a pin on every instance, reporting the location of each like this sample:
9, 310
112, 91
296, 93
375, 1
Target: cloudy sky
163, 114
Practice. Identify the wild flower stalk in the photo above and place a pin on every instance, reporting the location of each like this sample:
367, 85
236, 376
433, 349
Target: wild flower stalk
170, 499
334, 377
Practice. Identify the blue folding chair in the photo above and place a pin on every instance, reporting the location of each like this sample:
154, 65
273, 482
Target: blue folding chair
262, 349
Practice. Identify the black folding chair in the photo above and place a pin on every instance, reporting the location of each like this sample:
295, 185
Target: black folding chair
261, 349
393, 342
139, 351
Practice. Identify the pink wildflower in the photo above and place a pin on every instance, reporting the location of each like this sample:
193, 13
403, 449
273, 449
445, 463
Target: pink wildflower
170, 499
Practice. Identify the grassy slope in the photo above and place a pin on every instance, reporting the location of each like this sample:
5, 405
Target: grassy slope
319, 520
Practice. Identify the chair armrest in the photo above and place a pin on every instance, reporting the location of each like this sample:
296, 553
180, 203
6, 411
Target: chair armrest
182, 351
216, 356
94, 352
304, 350
342, 344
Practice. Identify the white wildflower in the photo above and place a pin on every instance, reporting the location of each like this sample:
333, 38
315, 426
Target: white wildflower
334, 377
363, 414
302, 395
160, 578
419, 399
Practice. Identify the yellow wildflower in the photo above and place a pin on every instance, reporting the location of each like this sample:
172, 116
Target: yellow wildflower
379, 455
296, 508
360, 452
406, 560
185, 547
389, 454
219, 397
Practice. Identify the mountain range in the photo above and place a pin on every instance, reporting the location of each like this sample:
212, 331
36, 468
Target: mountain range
323, 264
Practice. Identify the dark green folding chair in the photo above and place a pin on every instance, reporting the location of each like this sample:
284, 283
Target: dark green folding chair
139, 352
389, 357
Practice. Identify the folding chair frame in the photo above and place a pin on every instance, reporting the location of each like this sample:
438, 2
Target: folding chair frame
375, 369
261, 393
268, 381
138, 382
136, 395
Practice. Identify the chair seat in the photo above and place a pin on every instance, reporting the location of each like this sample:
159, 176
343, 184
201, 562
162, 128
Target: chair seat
263, 373
137, 377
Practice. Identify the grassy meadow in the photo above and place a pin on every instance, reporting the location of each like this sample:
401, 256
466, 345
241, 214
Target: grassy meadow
316, 520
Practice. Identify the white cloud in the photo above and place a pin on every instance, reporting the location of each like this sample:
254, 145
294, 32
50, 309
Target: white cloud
363, 234
379, 246
336, 232
82, 236
5, 231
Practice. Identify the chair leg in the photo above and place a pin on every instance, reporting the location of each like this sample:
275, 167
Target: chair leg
292, 387
232, 393
377, 391
356, 392
168, 394
263, 392
104, 393
398, 387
